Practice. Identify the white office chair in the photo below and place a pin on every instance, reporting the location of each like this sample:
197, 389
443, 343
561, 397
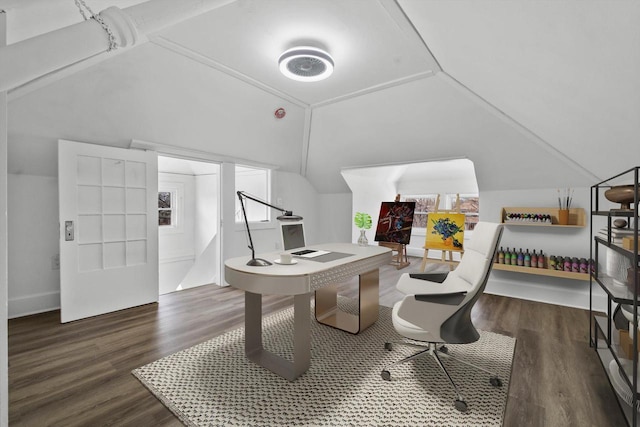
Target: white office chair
438, 311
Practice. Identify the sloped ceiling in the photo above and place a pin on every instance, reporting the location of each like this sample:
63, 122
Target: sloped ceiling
153, 95
536, 94
431, 119
371, 43
566, 70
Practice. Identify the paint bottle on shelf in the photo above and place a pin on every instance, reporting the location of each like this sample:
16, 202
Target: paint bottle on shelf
575, 265
500, 256
583, 267
541, 259
527, 259
520, 258
534, 259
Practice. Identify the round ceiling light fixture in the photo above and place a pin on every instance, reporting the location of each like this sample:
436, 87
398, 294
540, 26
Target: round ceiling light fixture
306, 64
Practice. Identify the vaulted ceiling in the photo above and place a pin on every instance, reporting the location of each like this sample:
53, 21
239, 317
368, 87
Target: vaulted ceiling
537, 94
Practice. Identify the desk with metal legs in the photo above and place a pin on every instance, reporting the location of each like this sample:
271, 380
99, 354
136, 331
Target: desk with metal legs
300, 280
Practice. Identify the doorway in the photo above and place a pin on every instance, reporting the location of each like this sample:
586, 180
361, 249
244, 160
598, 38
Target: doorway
188, 223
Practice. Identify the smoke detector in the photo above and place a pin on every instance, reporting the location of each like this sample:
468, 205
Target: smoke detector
306, 64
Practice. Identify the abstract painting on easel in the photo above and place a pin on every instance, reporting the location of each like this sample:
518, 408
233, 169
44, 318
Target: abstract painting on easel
395, 222
445, 231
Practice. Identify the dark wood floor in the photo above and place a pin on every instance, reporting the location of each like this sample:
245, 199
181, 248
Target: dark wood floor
79, 374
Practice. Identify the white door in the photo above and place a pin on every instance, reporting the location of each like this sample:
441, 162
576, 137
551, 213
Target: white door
109, 229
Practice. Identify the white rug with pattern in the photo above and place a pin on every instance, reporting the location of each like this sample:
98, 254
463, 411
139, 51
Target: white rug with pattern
213, 384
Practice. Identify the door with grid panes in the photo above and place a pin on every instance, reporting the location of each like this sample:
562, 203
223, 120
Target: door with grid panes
109, 229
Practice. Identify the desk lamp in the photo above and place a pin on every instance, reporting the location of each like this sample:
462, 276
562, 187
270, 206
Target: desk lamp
286, 216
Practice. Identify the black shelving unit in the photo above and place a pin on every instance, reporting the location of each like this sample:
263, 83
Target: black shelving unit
604, 337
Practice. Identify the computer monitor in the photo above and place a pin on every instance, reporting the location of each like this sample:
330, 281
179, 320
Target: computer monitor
292, 235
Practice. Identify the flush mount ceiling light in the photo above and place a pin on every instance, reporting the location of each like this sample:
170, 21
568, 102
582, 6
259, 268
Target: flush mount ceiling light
306, 64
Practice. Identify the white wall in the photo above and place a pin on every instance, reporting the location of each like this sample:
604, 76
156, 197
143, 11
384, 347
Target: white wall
373, 185
189, 254
206, 213
4, 375
34, 280
369, 188
336, 217
205, 269
574, 242
293, 192
176, 246
34, 285
33, 236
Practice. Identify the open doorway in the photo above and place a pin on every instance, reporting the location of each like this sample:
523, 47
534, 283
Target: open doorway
420, 182
188, 222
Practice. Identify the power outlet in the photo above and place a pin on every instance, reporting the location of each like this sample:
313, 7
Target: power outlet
55, 262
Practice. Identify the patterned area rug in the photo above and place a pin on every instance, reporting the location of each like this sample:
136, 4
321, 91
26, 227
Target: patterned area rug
213, 384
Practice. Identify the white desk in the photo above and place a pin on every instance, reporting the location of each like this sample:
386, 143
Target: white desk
300, 280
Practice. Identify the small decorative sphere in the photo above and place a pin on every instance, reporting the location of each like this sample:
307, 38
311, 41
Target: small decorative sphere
620, 223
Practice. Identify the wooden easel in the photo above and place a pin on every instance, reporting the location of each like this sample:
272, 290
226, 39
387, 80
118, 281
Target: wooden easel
443, 259
400, 260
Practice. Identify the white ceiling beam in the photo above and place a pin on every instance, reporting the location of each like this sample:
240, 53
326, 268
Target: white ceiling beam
155, 15
39, 56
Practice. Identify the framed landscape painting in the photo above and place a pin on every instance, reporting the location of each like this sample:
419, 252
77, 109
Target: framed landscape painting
445, 231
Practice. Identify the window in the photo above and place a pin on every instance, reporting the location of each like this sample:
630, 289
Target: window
257, 183
424, 205
166, 209
469, 205
170, 201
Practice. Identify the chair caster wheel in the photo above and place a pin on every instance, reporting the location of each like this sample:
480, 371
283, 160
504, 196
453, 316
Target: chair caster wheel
444, 349
386, 375
388, 346
495, 381
460, 405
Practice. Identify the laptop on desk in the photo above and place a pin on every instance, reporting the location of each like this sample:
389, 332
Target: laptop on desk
293, 240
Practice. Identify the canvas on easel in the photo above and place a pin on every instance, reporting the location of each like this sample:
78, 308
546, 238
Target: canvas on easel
394, 229
395, 222
445, 232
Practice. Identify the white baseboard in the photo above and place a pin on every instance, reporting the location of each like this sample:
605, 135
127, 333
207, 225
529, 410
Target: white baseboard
570, 297
33, 304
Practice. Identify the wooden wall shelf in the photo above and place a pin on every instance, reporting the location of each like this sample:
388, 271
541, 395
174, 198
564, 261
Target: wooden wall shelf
577, 217
542, 271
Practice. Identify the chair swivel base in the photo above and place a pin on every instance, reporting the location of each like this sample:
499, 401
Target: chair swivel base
433, 350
